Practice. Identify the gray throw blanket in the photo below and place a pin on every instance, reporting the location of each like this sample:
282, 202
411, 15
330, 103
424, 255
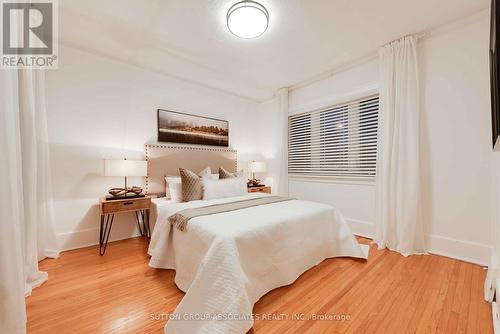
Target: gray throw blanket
181, 218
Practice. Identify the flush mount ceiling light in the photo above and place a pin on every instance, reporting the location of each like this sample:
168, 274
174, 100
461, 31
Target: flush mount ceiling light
247, 19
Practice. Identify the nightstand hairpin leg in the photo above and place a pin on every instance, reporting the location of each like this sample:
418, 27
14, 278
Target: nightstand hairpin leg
138, 215
142, 219
146, 225
104, 231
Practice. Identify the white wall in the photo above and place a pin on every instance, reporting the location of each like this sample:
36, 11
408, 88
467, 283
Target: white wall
269, 140
456, 149
456, 135
101, 108
495, 191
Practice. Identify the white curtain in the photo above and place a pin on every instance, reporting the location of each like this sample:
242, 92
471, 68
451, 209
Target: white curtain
12, 309
398, 219
38, 231
27, 233
281, 182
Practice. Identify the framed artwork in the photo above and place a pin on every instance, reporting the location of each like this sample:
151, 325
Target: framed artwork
176, 127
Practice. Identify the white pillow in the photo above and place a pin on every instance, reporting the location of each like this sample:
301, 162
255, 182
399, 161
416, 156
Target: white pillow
206, 172
174, 188
213, 189
211, 176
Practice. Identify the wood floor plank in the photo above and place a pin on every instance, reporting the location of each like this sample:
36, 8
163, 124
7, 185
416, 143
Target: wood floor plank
119, 293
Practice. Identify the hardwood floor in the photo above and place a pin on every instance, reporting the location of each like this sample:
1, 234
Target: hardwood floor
119, 293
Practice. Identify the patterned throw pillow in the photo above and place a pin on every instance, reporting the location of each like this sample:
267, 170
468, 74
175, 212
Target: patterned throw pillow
224, 174
191, 185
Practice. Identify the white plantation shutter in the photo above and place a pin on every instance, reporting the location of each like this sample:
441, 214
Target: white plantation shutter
338, 142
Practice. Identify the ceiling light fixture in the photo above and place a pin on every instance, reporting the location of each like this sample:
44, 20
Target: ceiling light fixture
247, 19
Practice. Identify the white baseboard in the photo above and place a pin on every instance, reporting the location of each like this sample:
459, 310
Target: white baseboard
438, 245
90, 237
458, 249
360, 228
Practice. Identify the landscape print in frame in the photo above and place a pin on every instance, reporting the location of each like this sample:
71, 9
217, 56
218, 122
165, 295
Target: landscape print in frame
176, 127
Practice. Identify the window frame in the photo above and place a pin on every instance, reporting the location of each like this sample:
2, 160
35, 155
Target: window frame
321, 111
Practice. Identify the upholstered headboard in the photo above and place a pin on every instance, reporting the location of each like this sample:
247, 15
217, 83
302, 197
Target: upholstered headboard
166, 159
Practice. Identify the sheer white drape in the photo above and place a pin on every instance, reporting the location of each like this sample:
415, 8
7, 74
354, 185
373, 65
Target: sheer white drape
281, 183
12, 308
399, 220
38, 232
26, 226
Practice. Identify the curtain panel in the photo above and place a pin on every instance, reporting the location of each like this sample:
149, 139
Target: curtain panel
26, 228
12, 287
398, 222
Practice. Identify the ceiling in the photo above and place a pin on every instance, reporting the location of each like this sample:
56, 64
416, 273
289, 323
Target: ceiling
189, 39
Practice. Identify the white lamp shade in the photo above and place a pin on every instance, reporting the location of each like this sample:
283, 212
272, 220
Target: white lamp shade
257, 167
125, 168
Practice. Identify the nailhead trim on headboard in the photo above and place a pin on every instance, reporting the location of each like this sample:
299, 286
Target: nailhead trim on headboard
187, 147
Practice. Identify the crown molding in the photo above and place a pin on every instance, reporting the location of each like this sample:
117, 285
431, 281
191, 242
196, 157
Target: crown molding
120, 42
131, 62
456, 24
221, 81
372, 55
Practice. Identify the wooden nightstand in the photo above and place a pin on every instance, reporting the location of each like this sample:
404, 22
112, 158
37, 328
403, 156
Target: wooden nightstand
263, 189
140, 206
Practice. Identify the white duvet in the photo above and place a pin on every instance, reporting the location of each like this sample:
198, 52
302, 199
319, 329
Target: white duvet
227, 261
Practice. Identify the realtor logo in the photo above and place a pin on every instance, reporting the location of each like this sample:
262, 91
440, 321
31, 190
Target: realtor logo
29, 34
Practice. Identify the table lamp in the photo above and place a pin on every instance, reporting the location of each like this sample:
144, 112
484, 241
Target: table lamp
256, 167
125, 168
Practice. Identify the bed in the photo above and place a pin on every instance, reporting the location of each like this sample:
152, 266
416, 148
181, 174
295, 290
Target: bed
226, 261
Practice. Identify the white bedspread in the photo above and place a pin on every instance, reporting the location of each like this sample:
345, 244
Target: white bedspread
227, 261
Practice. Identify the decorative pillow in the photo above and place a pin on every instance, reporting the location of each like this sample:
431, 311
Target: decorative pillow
206, 172
224, 174
191, 185
213, 189
173, 189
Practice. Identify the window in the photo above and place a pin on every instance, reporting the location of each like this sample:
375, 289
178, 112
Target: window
338, 142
